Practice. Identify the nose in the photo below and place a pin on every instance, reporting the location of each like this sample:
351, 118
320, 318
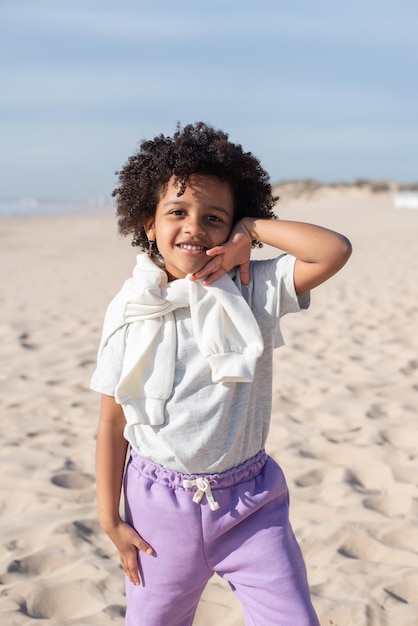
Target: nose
194, 225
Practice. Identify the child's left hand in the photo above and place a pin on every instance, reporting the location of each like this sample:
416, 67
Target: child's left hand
235, 252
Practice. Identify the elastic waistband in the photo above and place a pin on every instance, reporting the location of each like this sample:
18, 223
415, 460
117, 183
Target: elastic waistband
159, 474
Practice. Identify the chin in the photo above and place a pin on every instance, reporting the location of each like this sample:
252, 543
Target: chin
183, 270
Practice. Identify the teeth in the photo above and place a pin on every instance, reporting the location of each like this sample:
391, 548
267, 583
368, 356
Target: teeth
187, 246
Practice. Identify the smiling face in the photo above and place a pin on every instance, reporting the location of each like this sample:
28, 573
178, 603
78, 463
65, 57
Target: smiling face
185, 226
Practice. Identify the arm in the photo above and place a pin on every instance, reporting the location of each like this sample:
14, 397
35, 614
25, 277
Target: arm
320, 252
110, 463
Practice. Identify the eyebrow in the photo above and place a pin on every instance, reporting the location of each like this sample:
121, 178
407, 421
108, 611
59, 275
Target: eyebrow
211, 207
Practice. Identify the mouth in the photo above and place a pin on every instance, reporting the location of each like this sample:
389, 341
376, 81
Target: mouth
191, 247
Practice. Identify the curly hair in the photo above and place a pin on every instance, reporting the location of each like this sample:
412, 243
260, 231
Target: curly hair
195, 149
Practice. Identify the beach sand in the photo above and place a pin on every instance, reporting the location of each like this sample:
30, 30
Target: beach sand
344, 425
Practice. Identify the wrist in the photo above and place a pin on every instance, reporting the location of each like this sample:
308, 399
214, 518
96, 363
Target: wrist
108, 523
246, 226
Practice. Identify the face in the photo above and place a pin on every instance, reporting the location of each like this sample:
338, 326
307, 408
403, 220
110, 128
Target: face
185, 226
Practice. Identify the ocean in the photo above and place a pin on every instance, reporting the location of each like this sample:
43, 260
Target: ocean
28, 207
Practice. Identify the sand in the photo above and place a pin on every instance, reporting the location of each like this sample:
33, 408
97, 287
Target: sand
344, 424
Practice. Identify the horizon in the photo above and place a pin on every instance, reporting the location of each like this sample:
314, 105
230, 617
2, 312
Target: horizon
24, 206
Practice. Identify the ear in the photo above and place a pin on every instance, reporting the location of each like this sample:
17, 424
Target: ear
149, 228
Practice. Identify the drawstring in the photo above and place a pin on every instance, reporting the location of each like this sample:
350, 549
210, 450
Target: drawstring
203, 487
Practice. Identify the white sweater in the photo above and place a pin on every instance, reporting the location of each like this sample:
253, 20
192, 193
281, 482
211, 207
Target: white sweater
226, 333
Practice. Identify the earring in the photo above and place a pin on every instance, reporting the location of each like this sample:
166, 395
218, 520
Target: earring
151, 243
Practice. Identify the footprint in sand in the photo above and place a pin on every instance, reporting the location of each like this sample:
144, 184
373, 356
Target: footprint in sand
390, 505
40, 563
376, 477
376, 412
86, 531
406, 588
385, 494
56, 600
403, 535
360, 545
321, 476
401, 438
80, 529
410, 368
87, 363
114, 611
23, 340
73, 480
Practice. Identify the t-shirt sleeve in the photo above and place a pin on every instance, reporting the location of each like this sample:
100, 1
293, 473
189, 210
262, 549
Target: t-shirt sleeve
287, 299
274, 287
109, 364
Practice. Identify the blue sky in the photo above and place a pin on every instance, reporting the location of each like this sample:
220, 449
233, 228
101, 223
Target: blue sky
325, 90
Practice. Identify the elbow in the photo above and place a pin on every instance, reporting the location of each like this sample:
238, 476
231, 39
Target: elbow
338, 255
344, 250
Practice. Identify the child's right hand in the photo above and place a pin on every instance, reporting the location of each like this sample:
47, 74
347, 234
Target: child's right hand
128, 542
235, 252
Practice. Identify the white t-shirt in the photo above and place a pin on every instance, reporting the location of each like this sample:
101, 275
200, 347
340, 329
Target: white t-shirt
211, 427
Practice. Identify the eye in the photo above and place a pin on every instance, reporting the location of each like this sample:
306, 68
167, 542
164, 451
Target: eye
214, 218
177, 212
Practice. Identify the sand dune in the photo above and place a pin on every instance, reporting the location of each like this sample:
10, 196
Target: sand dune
344, 424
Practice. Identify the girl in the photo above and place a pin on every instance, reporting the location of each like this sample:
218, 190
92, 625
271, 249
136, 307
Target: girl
185, 373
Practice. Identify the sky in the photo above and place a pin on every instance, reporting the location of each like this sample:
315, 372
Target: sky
326, 90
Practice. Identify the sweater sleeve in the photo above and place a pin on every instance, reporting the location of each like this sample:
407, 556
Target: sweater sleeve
109, 364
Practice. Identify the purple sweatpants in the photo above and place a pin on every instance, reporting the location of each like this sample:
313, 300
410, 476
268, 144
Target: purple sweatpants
248, 541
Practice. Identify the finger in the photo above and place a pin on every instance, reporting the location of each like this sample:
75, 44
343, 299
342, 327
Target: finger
214, 276
244, 272
130, 567
136, 541
216, 250
211, 266
144, 547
